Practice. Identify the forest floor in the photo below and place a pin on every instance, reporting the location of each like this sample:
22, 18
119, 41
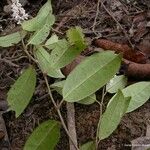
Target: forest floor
122, 21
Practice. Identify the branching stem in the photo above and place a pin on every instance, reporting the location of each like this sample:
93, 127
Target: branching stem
58, 111
101, 112
26, 51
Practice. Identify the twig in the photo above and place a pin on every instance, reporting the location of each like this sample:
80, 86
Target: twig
59, 113
60, 104
101, 112
96, 16
52, 99
123, 30
26, 51
57, 31
9, 62
71, 125
62, 22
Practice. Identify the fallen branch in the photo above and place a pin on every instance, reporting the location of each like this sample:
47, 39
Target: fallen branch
71, 125
70, 106
59, 113
137, 71
128, 53
117, 22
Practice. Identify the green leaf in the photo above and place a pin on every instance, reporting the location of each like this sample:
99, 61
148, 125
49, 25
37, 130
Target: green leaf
53, 39
76, 37
45, 63
113, 114
88, 100
88, 146
40, 35
44, 137
11, 39
62, 54
59, 54
139, 92
116, 83
58, 86
21, 92
90, 75
37, 22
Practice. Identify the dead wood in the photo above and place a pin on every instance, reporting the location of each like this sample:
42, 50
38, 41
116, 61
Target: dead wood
128, 53
71, 125
137, 71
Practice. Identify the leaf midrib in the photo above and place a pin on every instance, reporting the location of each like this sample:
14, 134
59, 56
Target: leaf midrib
10, 38
25, 81
118, 104
47, 60
89, 77
22, 85
43, 138
56, 63
36, 34
115, 84
139, 91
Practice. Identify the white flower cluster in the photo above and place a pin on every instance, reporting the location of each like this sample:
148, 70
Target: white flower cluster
18, 12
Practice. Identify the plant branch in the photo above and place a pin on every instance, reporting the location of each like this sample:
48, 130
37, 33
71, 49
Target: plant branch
59, 113
57, 107
101, 112
26, 51
96, 16
117, 22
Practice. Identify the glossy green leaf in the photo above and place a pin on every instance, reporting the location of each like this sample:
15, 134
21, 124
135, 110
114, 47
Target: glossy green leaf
58, 86
45, 63
88, 146
116, 83
44, 137
76, 37
112, 115
40, 35
37, 22
90, 75
139, 92
11, 39
53, 39
21, 92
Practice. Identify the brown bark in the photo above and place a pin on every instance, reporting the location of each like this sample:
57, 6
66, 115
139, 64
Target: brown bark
128, 53
137, 71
